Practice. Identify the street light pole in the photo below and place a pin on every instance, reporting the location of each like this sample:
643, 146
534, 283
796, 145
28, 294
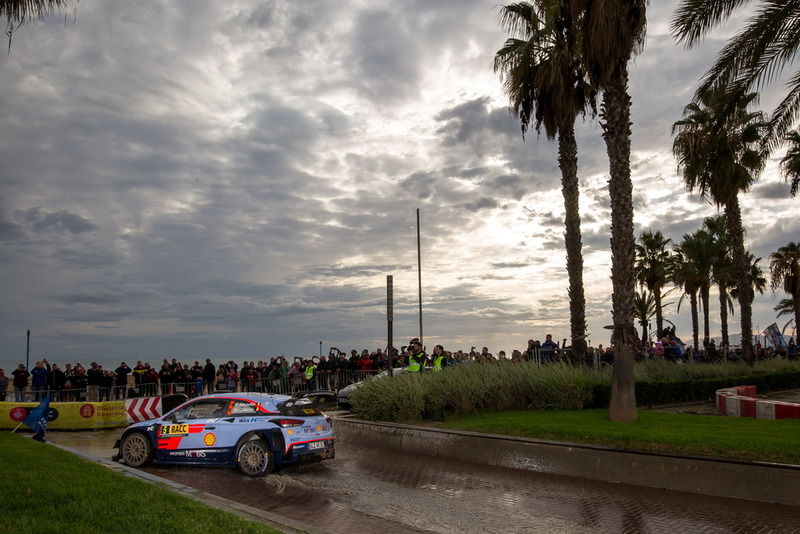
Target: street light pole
28, 351
419, 277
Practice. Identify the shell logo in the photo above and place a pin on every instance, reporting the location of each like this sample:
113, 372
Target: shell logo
209, 439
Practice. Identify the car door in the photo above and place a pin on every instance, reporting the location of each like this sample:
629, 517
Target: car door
191, 433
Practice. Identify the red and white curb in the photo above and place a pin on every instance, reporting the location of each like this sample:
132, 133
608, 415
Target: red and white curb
741, 401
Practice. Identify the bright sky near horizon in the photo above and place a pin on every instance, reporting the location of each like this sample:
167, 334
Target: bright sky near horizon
237, 179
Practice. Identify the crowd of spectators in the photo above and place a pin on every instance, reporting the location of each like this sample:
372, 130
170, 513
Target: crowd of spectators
331, 372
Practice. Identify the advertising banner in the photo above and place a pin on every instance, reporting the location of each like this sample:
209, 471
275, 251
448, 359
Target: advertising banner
68, 415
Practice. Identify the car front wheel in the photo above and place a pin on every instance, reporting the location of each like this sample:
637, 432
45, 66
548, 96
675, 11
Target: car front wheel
254, 458
136, 450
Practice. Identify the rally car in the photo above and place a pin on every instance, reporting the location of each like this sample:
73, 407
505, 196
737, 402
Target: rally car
253, 431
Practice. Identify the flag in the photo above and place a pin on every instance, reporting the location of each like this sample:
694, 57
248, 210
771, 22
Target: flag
37, 419
775, 337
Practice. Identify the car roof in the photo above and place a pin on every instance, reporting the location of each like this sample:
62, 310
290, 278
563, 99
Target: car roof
262, 398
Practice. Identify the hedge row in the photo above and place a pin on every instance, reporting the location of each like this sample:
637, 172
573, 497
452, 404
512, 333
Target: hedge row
657, 392
474, 388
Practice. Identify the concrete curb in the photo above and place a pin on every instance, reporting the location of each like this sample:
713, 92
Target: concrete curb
763, 482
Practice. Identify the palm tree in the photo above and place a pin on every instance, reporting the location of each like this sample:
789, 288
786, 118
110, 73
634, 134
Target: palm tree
21, 11
610, 34
692, 272
652, 268
18, 12
722, 271
784, 268
756, 55
790, 163
758, 283
787, 307
645, 310
718, 152
545, 84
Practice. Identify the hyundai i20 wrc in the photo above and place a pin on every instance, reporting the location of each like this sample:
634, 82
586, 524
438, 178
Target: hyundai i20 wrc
253, 431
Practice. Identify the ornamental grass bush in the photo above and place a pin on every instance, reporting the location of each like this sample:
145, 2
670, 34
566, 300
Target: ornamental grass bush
475, 387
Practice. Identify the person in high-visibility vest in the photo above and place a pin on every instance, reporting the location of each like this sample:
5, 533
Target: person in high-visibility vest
439, 361
416, 357
309, 375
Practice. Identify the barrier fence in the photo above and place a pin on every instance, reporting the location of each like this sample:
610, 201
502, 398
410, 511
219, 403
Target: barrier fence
324, 381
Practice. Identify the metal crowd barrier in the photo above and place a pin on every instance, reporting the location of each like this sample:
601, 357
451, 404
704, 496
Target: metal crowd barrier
323, 381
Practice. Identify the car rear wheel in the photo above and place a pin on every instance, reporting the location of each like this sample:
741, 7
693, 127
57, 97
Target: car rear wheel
136, 450
254, 458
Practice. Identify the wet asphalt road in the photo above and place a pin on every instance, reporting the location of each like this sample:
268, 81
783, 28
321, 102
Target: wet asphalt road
366, 490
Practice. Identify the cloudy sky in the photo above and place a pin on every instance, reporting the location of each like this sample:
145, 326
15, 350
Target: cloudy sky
237, 179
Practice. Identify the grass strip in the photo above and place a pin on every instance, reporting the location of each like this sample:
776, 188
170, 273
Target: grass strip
664, 433
47, 489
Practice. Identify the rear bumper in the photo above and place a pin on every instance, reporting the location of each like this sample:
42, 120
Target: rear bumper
304, 453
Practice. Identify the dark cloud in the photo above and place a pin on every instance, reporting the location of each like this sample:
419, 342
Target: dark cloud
239, 179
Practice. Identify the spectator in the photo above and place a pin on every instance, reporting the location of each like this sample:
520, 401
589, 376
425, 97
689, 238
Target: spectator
416, 357
107, 389
3, 385
296, 377
57, 380
94, 378
39, 375
121, 382
232, 379
150, 381
138, 373
365, 363
310, 373
439, 361
220, 378
79, 380
197, 377
548, 350
165, 377
324, 371
274, 378
20, 382
209, 375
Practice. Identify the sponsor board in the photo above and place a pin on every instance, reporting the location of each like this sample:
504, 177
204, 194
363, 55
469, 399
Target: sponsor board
68, 415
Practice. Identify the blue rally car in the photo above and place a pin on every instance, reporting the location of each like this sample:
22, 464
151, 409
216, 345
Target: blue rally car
253, 431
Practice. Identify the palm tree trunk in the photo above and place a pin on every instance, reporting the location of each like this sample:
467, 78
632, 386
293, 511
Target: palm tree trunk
733, 216
704, 298
723, 312
568, 162
796, 299
616, 123
659, 311
695, 325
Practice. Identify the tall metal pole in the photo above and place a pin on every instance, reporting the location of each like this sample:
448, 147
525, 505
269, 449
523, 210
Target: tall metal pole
28, 352
419, 275
389, 318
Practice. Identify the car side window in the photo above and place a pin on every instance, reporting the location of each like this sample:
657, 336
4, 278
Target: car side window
205, 409
208, 409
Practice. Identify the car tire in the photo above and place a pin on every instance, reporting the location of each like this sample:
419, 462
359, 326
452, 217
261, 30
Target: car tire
254, 458
136, 450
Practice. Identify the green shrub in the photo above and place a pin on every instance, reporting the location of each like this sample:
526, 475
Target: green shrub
475, 388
